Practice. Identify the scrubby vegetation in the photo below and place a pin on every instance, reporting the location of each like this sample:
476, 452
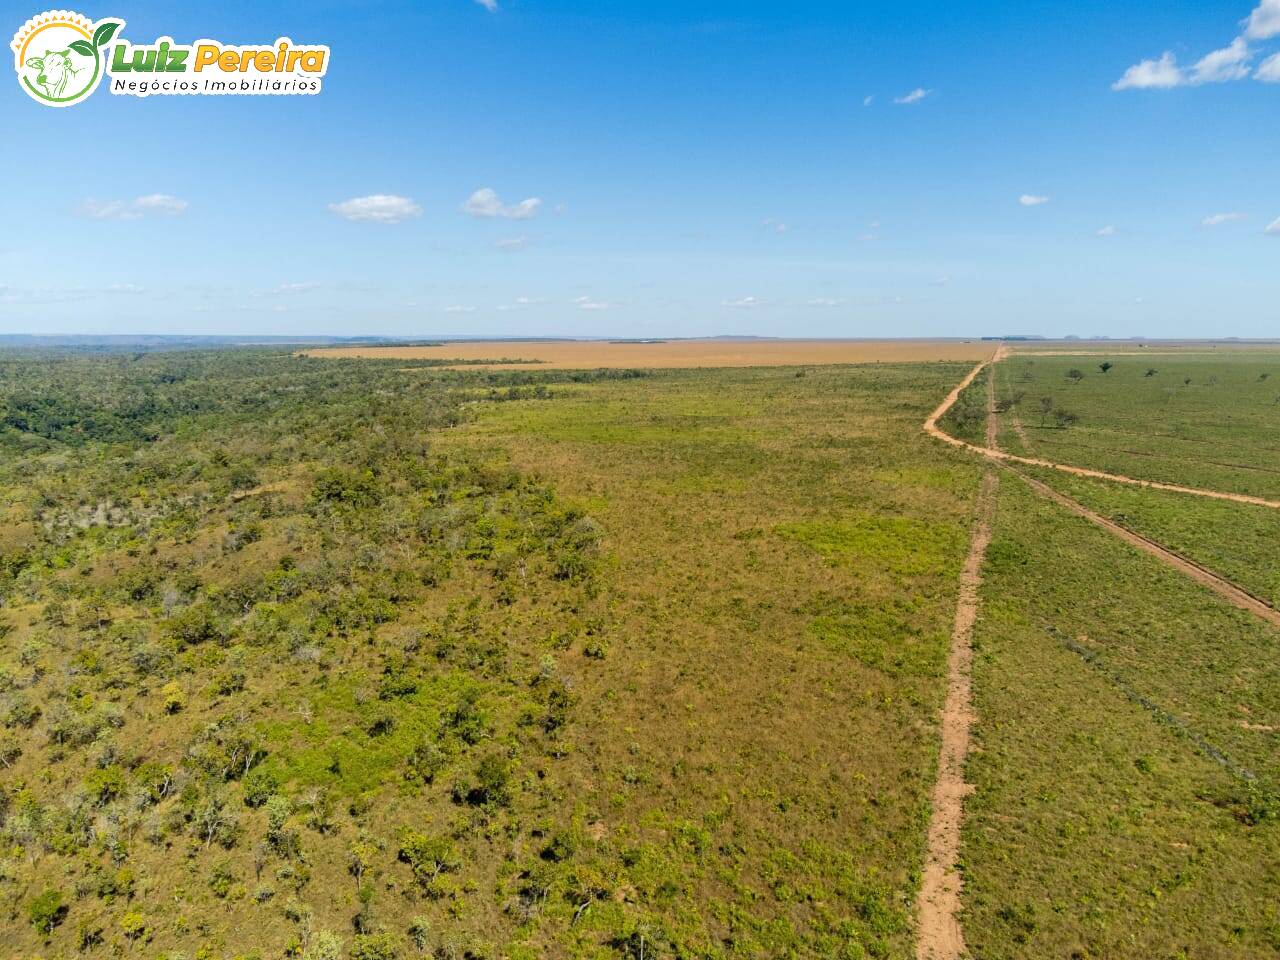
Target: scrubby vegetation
330, 659
257, 632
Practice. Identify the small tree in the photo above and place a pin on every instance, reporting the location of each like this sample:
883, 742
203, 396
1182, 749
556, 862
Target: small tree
1075, 375
47, 911
1151, 372
1106, 366
1064, 418
1046, 407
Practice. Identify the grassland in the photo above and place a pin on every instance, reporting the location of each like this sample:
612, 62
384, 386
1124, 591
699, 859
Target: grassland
306, 656
672, 354
1121, 711
1203, 421
337, 658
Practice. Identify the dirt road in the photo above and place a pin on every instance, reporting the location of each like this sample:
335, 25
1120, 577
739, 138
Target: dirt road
939, 935
931, 427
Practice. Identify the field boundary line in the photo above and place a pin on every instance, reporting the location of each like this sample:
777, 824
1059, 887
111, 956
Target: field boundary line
940, 935
1094, 659
932, 429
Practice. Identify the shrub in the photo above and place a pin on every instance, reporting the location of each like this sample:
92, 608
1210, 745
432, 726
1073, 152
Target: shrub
490, 786
374, 946
47, 911
428, 857
134, 925
426, 760
324, 946
259, 785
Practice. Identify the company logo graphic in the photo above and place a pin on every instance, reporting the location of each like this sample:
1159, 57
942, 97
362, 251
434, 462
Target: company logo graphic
59, 54
62, 56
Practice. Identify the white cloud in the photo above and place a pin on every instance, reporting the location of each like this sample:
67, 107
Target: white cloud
1107, 231
377, 208
745, 303
520, 303
153, 203
161, 203
490, 5
125, 288
1217, 219
1219, 66
1264, 22
1269, 70
1273, 228
1031, 200
288, 289
824, 302
940, 282
915, 96
1159, 74
459, 308
776, 225
1229, 63
485, 202
586, 303
512, 244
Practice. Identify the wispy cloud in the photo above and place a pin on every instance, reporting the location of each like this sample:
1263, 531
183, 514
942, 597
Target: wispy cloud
1229, 63
777, 226
1273, 228
1108, 231
289, 289
587, 303
45, 295
1269, 69
915, 96
824, 302
1031, 200
1218, 219
490, 5
377, 208
459, 308
512, 244
485, 202
743, 303
868, 100
158, 204
520, 303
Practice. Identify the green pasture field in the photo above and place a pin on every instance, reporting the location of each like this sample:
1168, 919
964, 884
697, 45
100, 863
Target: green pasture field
1203, 421
1125, 763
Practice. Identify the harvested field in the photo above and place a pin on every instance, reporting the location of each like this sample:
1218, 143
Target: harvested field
671, 354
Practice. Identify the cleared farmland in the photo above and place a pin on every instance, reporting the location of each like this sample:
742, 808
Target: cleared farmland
674, 354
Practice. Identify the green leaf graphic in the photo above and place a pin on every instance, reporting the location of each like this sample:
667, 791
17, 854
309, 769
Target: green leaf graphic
104, 33
82, 47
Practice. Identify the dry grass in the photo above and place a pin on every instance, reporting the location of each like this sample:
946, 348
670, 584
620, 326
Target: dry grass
595, 354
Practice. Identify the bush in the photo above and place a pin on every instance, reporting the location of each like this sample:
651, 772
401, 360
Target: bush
374, 946
489, 787
47, 911
259, 785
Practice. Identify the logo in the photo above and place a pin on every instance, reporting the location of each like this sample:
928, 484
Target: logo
61, 57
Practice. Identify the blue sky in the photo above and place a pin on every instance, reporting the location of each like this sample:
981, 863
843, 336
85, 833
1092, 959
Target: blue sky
698, 169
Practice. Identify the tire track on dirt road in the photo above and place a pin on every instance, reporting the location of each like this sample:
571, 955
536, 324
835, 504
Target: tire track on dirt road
940, 936
931, 427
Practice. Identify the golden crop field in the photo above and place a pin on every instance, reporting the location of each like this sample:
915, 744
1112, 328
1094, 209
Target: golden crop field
676, 354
